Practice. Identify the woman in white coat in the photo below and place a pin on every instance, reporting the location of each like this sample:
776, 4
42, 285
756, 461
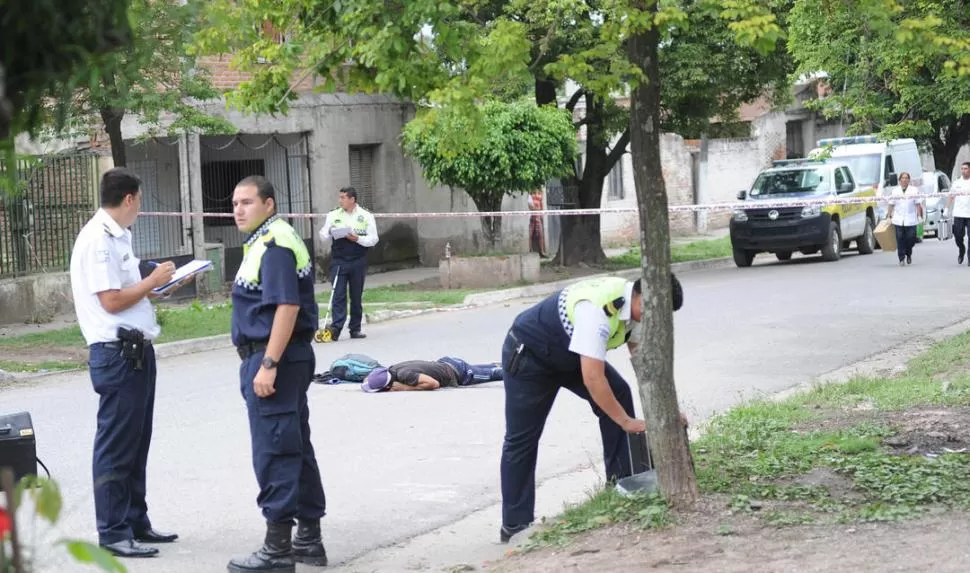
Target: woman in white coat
906, 211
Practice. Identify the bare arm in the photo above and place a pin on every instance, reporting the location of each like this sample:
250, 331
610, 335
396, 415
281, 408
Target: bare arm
117, 300
425, 382
594, 377
283, 322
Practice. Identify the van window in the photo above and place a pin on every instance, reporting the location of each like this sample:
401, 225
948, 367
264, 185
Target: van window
865, 167
890, 168
839, 178
943, 184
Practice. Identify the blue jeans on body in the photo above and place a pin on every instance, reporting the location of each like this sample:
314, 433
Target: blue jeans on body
905, 239
469, 374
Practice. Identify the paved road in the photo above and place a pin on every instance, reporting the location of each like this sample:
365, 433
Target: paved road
398, 465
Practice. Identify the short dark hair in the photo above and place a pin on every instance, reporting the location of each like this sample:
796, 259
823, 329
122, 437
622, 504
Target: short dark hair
965, 164
676, 291
116, 184
264, 188
350, 192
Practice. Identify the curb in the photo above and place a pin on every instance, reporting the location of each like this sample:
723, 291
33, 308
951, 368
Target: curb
222, 341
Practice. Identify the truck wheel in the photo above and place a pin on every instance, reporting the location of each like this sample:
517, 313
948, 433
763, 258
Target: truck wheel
867, 242
783, 255
743, 258
832, 249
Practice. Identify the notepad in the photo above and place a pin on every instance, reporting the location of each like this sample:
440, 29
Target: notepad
340, 232
188, 269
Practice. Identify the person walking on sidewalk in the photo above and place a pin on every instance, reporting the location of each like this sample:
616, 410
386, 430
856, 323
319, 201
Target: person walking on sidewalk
959, 208
119, 326
353, 231
905, 211
274, 316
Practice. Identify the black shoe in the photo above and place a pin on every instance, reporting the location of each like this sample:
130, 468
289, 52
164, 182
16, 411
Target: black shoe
308, 543
275, 556
151, 536
909, 259
128, 548
507, 531
960, 259
358, 334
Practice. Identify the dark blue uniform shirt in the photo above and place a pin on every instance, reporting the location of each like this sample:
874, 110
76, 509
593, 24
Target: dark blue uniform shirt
253, 309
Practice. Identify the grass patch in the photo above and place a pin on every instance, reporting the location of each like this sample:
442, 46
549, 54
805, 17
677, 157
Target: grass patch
48, 366
69, 337
406, 294
604, 507
679, 253
766, 459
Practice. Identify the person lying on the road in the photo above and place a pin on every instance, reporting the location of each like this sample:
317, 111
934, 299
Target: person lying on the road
444, 372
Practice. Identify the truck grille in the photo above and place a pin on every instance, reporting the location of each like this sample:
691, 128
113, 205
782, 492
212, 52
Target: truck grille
784, 214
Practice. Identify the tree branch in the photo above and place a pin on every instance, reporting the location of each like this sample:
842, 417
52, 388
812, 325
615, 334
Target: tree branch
618, 150
580, 123
571, 104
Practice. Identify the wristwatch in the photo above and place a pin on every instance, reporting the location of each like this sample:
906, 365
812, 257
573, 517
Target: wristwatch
268, 363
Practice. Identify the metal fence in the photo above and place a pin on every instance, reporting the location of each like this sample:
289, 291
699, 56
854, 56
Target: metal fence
40, 218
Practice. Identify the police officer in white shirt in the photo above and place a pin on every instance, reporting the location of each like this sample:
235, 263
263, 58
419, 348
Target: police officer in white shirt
353, 231
959, 208
905, 211
118, 324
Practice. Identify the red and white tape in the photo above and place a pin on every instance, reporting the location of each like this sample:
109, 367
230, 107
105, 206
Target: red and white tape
710, 207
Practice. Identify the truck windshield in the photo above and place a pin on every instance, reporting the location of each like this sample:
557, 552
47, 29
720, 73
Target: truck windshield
789, 181
865, 168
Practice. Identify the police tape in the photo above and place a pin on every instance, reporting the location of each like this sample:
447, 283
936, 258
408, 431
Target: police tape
709, 207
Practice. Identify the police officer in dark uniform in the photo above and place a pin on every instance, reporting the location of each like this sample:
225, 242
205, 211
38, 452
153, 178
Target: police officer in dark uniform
561, 342
274, 316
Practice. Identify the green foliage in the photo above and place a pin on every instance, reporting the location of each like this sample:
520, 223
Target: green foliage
521, 148
701, 250
899, 69
45, 51
604, 507
47, 503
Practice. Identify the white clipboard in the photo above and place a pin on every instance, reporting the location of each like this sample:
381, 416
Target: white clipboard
188, 269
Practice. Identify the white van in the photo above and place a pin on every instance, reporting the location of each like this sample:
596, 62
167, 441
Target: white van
874, 163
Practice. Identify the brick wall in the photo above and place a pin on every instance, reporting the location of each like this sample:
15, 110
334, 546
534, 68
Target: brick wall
225, 78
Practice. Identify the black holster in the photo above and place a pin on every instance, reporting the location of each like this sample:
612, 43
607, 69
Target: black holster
132, 347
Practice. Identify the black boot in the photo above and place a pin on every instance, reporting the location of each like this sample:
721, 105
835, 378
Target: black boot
308, 544
275, 556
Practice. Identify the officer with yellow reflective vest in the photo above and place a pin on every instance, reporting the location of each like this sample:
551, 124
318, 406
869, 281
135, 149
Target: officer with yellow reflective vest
561, 342
353, 231
274, 316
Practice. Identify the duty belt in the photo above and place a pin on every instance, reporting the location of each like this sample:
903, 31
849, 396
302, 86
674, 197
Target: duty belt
250, 348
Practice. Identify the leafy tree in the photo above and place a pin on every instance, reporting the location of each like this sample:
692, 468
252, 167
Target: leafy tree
45, 53
900, 69
156, 76
452, 53
522, 148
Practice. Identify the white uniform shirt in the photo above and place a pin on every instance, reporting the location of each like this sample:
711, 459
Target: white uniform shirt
904, 207
591, 327
102, 260
368, 240
961, 205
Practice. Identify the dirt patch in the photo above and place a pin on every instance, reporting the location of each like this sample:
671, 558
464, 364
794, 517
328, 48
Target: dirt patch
919, 431
38, 354
713, 539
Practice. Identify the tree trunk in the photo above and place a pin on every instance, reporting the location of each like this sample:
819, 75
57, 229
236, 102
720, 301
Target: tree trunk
491, 226
946, 145
112, 124
653, 360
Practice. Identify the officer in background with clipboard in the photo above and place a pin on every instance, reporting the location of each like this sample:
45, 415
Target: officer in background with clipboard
118, 324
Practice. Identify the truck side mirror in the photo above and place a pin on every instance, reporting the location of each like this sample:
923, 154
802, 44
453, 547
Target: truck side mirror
742, 195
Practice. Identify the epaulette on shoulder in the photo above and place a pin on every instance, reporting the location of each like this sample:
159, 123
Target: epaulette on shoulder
267, 236
614, 306
107, 229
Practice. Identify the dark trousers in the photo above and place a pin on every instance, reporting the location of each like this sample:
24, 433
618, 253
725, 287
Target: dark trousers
345, 277
960, 227
283, 457
122, 439
905, 239
469, 374
530, 390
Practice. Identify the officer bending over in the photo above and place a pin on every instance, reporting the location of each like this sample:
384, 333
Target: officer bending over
274, 316
561, 342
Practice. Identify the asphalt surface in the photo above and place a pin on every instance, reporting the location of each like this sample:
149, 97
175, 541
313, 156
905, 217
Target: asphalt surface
399, 465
